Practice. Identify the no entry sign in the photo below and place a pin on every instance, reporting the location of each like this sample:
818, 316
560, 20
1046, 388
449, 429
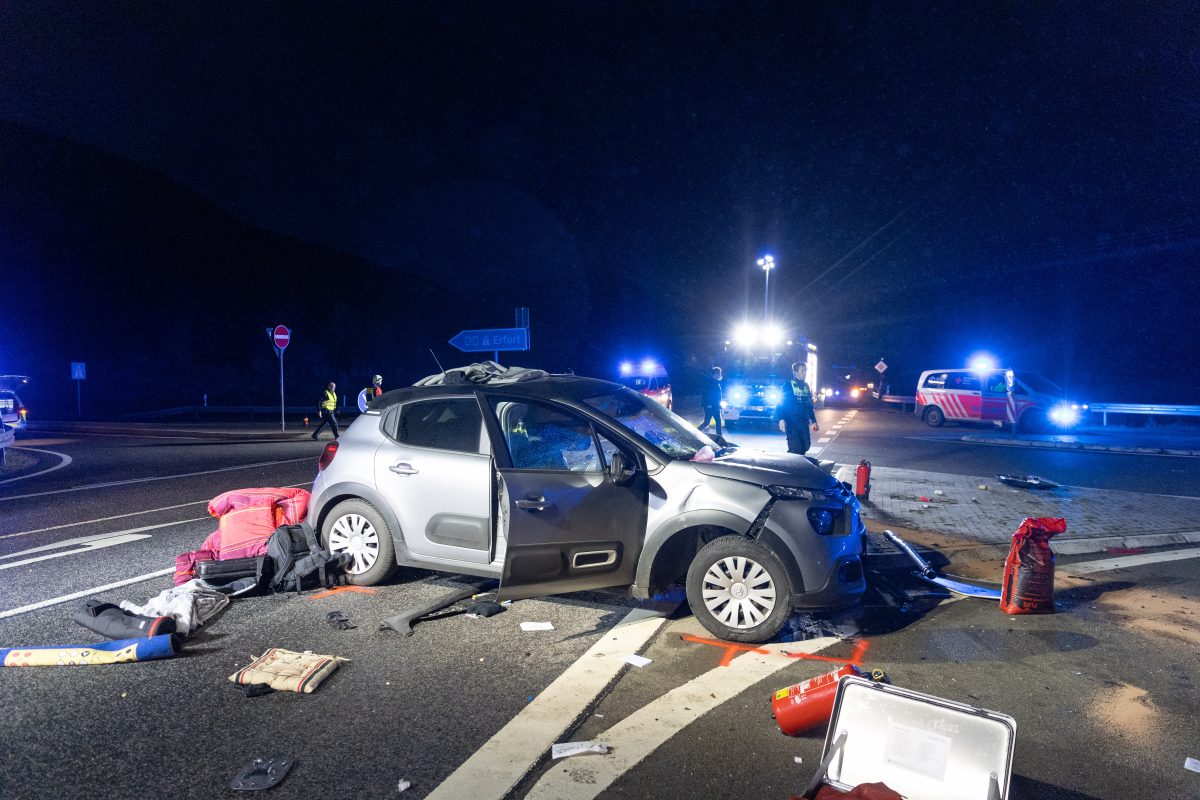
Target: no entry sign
282, 336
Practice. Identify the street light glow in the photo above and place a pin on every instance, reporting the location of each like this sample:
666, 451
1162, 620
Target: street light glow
767, 262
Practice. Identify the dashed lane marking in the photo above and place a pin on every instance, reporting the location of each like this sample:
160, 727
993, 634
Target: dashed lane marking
507, 757
66, 598
645, 730
110, 484
824, 442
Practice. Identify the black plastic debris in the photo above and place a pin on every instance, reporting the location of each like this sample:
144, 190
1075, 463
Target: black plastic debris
1027, 481
262, 773
339, 620
484, 608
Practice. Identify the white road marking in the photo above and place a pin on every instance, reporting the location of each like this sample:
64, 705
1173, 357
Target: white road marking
66, 598
83, 544
825, 440
642, 732
111, 533
134, 514
1121, 562
110, 484
66, 459
509, 755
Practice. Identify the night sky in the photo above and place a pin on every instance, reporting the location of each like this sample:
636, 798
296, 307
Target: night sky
933, 179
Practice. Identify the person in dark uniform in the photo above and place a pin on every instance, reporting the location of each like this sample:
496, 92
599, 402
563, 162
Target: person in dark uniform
710, 400
795, 412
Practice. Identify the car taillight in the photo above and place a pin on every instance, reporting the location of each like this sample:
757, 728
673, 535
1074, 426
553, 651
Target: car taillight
327, 456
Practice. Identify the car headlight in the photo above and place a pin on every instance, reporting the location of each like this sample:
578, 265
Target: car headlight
738, 395
1064, 415
794, 493
773, 397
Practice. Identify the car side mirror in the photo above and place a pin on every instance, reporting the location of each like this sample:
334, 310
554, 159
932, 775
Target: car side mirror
620, 468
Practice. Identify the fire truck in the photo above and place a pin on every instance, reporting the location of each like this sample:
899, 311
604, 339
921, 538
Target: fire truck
757, 364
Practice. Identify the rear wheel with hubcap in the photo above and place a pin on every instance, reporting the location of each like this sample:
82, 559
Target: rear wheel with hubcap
738, 589
934, 417
356, 527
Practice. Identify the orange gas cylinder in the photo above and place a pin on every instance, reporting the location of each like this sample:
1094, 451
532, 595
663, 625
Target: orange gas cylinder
808, 704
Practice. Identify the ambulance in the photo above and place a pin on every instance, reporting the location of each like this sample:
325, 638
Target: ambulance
998, 396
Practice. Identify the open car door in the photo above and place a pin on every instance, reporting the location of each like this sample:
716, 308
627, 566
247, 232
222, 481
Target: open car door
572, 524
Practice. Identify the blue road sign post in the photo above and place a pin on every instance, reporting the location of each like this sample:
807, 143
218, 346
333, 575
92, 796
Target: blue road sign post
494, 339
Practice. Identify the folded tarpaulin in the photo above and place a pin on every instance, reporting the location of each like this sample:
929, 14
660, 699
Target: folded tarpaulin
247, 517
116, 652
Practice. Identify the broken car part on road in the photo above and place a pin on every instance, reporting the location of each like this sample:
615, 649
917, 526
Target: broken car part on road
928, 573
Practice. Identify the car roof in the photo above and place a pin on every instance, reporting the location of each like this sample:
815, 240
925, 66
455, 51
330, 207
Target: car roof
550, 387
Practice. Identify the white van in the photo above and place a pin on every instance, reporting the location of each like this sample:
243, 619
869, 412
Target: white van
12, 410
999, 396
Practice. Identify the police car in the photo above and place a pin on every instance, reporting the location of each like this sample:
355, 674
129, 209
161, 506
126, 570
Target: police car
998, 396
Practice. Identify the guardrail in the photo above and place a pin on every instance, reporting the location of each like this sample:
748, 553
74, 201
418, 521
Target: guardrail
1143, 408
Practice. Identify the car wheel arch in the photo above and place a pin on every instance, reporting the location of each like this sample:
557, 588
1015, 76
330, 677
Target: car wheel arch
349, 490
676, 544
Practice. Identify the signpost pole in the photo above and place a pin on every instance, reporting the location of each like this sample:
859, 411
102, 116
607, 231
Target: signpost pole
281, 337
78, 398
282, 424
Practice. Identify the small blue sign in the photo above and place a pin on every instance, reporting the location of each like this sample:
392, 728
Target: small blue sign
492, 339
78, 371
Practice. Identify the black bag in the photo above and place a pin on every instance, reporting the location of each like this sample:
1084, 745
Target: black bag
298, 560
231, 569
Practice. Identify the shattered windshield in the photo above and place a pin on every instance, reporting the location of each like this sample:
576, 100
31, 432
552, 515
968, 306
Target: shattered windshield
670, 433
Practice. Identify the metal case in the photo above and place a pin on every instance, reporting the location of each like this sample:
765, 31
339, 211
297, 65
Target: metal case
923, 747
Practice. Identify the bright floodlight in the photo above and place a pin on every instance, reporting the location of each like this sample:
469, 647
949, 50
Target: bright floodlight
744, 335
648, 366
626, 368
772, 335
982, 363
767, 262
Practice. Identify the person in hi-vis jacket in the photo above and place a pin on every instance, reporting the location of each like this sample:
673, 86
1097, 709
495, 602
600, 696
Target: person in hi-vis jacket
795, 413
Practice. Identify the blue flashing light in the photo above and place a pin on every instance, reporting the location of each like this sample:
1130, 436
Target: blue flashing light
981, 362
626, 368
773, 396
648, 366
1064, 415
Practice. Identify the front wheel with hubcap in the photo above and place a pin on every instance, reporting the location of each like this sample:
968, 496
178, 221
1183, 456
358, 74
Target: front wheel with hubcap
738, 589
356, 527
934, 417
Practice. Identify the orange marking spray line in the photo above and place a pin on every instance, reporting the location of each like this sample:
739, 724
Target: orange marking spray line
336, 589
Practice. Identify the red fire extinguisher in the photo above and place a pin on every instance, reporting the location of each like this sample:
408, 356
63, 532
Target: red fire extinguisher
808, 704
862, 479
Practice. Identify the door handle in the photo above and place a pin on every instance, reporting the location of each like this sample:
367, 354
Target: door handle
537, 503
403, 468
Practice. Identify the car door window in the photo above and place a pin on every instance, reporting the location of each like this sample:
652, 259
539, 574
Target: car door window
962, 381
542, 437
445, 424
936, 381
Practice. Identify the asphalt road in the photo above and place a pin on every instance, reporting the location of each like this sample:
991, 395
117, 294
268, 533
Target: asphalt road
1103, 691
895, 439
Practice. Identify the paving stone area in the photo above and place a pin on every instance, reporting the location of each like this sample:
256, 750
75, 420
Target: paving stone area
1096, 518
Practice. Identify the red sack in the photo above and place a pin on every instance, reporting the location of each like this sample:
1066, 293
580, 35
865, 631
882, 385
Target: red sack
1029, 569
247, 517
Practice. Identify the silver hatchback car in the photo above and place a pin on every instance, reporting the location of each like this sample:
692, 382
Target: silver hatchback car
562, 483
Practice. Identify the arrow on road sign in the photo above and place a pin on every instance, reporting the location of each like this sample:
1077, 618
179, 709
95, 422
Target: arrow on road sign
492, 339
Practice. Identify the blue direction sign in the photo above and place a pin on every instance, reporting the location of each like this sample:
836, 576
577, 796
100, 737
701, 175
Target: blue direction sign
492, 339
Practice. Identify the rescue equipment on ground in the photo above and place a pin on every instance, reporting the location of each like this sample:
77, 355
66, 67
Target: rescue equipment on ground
862, 479
928, 573
247, 517
120, 651
885, 741
808, 704
1029, 568
114, 622
288, 671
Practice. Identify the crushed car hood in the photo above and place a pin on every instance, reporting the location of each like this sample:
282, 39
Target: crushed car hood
767, 468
